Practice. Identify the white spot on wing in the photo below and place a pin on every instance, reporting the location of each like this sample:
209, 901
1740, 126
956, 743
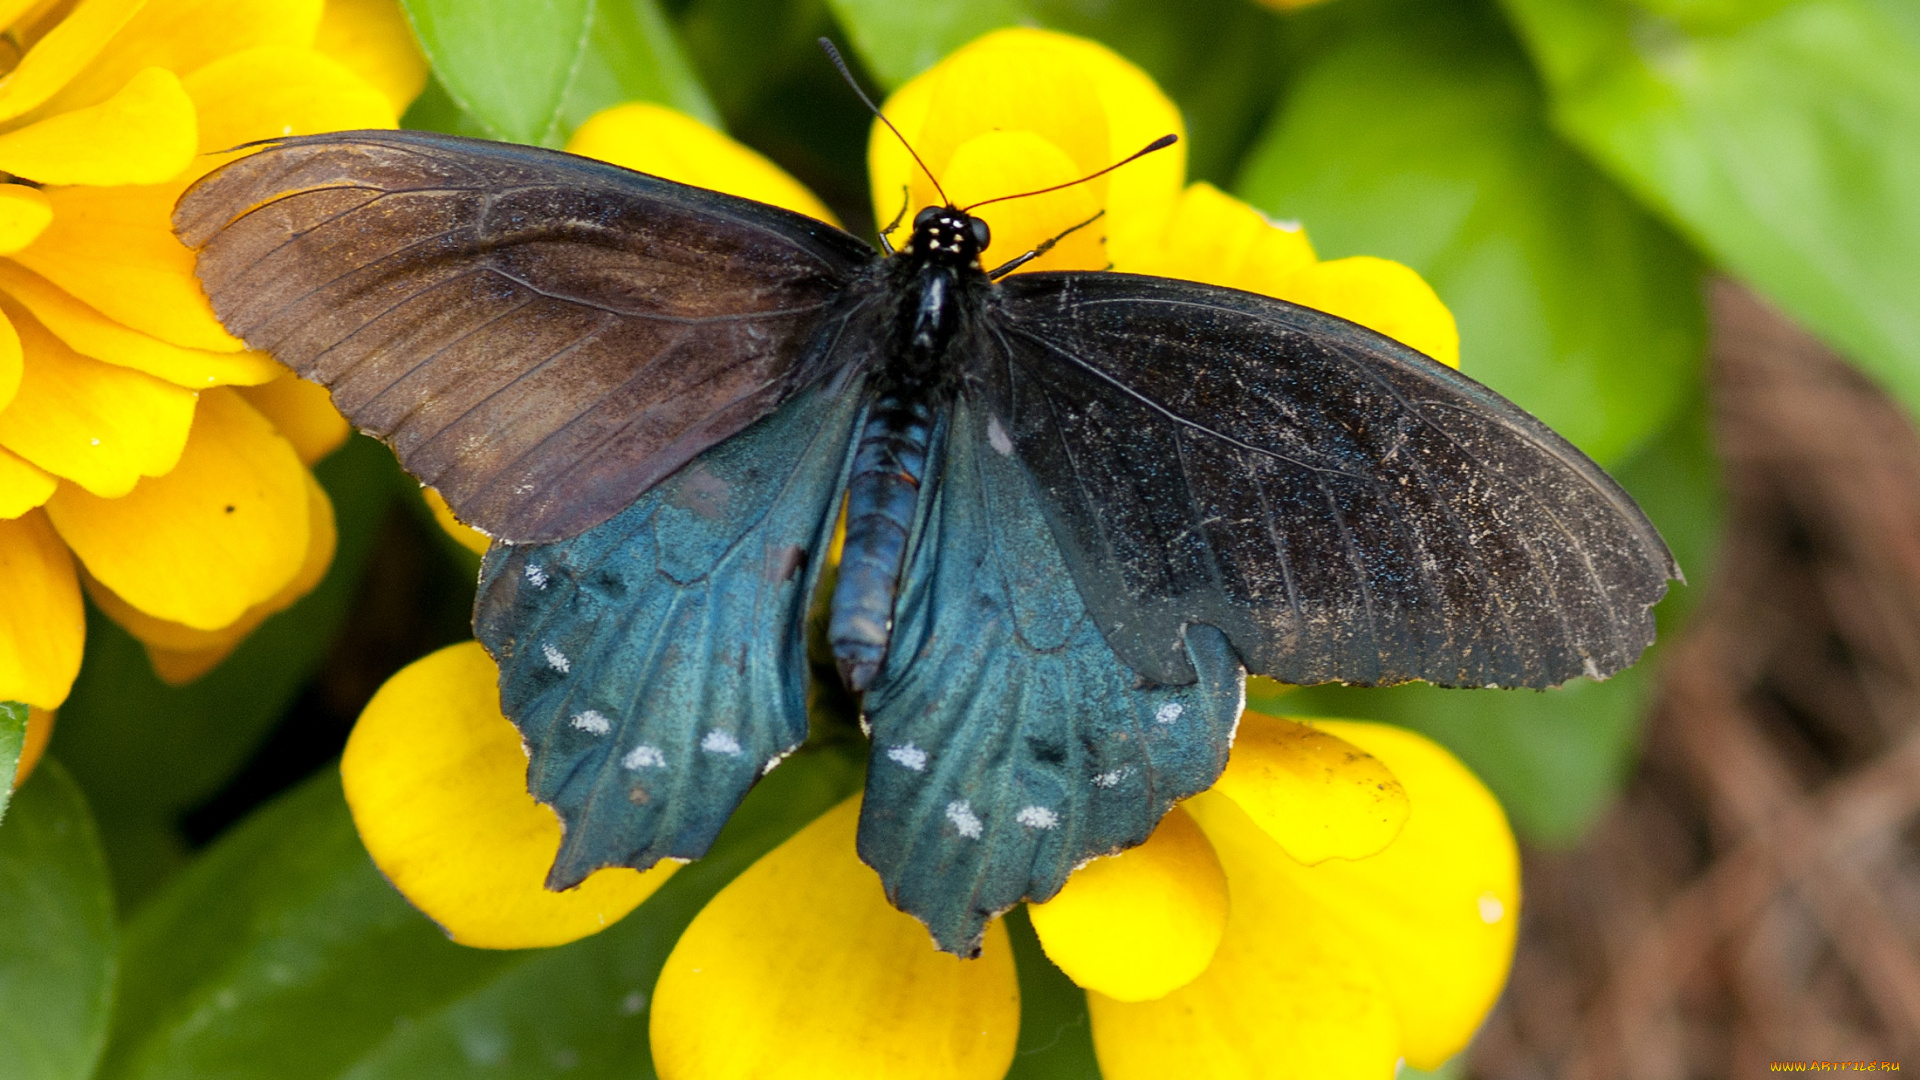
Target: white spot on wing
644, 757
997, 437
1491, 909
1110, 778
537, 576
719, 742
592, 722
1037, 817
909, 755
1592, 669
960, 812
556, 659
1168, 713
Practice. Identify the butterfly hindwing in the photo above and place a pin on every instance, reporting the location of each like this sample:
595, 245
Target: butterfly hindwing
1344, 508
655, 664
1010, 743
539, 336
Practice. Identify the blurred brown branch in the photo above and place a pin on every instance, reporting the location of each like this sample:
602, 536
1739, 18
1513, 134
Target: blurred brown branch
1755, 894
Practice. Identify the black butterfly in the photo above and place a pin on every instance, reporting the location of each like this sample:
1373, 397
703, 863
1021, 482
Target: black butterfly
1078, 504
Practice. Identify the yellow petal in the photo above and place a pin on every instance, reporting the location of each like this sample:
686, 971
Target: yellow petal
1319, 796
90, 333
1143, 923
70, 46
271, 91
181, 654
1381, 295
303, 412
666, 142
437, 782
22, 487
1015, 80
185, 35
43, 627
469, 537
12, 10
142, 135
1437, 909
112, 248
99, 425
12, 361
39, 730
1290, 993
24, 214
225, 530
998, 162
374, 40
1082, 97
1216, 238
800, 969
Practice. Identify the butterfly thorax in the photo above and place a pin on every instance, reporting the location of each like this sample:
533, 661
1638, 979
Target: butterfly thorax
937, 280
937, 284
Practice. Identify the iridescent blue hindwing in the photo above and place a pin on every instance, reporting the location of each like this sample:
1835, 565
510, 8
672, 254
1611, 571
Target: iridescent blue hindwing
1010, 743
655, 665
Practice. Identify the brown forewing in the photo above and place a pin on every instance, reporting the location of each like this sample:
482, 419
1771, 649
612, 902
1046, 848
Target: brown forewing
539, 336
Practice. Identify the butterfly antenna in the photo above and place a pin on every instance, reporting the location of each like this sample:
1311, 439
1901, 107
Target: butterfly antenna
1160, 143
846, 73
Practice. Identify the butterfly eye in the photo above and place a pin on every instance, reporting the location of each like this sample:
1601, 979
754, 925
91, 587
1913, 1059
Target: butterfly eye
921, 219
981, 234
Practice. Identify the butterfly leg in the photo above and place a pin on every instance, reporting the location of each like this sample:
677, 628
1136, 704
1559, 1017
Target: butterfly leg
1019, 261
887, 232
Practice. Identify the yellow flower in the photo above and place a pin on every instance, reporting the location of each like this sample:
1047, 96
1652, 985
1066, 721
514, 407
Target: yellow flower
1022, 109
144, 453
1344, 897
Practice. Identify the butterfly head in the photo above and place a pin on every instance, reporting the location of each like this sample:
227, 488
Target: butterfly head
945, 236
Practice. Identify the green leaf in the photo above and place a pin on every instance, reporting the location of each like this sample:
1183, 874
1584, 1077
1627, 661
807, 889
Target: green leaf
1570, 300
530, 71
506, 62
1215, 58
13, 737
146, 752
284, 953
633, 55
281, 952
1555, 757
1784, 138
435, 110
57, 946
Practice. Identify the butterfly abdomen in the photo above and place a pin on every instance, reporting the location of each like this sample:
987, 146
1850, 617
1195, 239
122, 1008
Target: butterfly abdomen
888, 467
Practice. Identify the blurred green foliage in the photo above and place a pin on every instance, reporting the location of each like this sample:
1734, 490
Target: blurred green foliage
1565, 173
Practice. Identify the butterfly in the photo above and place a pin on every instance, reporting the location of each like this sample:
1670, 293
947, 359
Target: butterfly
1079, 506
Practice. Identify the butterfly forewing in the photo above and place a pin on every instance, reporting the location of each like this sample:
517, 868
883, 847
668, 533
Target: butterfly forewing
539, 336
1344, 508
